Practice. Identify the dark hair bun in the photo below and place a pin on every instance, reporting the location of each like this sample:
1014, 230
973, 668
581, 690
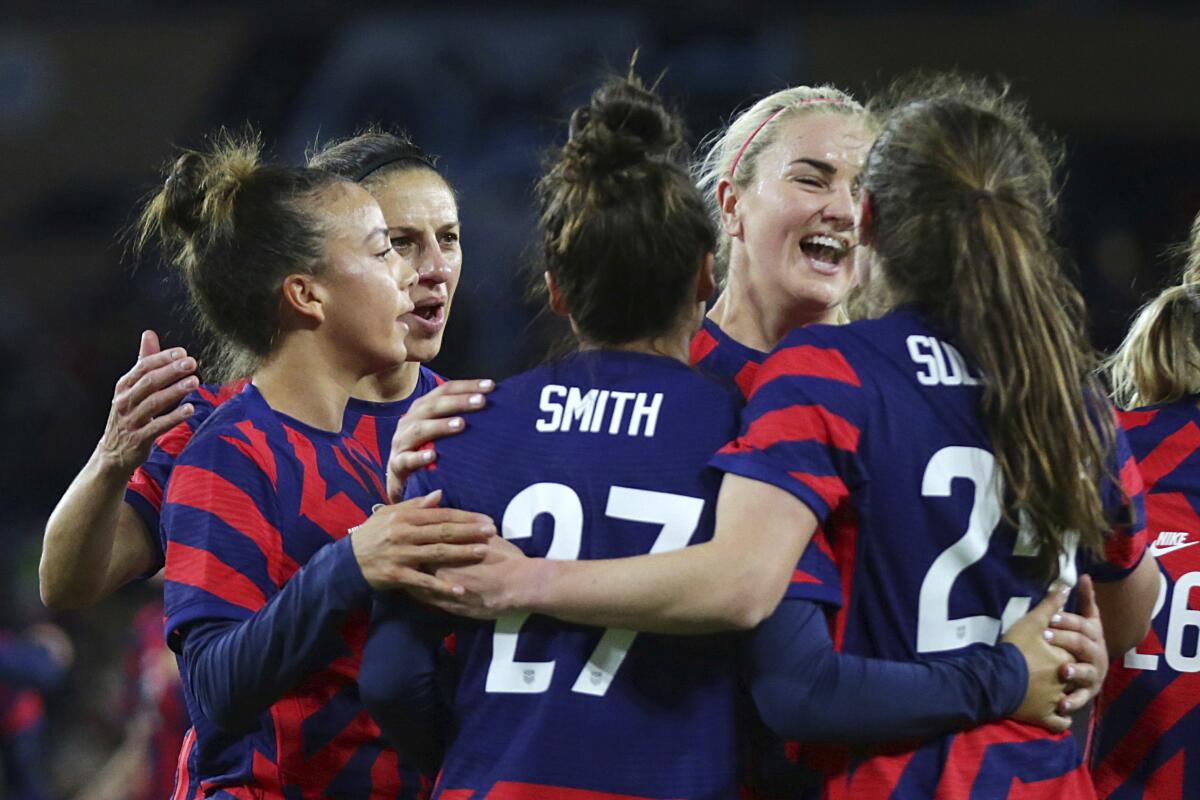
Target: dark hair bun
624, 124
197, 195
183, 195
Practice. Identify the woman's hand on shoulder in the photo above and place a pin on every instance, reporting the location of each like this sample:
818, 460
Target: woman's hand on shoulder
431, 417
145, 403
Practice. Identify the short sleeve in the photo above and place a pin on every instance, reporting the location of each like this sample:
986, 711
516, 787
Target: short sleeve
802, 425
1124, 503
144, 492
221, 523
816, 576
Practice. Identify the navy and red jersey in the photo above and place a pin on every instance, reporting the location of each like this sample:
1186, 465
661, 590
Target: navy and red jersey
771, 763
1146, 742
876, 427
253, 498
715, 353
371, 423
604, 456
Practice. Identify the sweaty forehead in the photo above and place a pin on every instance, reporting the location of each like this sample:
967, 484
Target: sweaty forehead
838, 139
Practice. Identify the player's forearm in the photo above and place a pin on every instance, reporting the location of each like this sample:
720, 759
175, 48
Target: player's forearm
77, 566
238, 669
398, 680
705, 588
732, 582
802, 686
1126, 605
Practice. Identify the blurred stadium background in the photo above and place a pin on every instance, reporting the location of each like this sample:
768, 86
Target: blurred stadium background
93, 95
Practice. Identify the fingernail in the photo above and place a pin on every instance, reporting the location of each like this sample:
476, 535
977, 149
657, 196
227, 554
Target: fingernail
488, 529
1066, 704
1070, 671
479, 550
457, 590
1048, 635
188, 410
454, 424
427, 456
486, 383
176, 354
1057, 618
475, 400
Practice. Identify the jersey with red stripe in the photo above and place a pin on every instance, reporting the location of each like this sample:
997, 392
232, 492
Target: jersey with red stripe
1147, 738
774, 768
876, 427
374, 423
371, 423
255, 495
717, 354
604, 455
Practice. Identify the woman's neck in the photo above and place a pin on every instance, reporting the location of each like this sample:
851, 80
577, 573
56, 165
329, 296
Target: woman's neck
752, 315
390, 385
302, 380
674, 344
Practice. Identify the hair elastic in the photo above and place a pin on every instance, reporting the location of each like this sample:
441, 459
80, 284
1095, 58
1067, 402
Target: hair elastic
384, 159
833, 101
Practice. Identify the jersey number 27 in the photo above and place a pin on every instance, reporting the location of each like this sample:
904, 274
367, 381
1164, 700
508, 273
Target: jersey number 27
677, 515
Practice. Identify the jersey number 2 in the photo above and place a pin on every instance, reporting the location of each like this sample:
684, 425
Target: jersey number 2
936, 630
678, 516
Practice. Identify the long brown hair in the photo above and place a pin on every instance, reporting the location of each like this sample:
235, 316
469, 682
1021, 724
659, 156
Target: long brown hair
962, 196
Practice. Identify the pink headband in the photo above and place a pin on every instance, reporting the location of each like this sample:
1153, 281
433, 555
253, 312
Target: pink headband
830, 100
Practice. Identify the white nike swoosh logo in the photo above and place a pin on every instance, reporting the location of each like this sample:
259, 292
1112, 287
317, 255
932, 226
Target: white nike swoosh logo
1159, 552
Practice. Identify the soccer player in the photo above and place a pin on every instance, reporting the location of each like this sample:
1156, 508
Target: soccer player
1147, 738
779, 180
273, 543
897, 434
606, 453
104, 531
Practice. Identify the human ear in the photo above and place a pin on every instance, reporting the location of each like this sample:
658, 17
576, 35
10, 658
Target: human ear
557, 305
727, 203
302, 296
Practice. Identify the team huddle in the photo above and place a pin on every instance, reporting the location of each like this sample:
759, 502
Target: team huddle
866, 526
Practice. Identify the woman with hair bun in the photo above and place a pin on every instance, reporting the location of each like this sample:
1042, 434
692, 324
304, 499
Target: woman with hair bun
606, 454
273, 540
1145, 742
104, 531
